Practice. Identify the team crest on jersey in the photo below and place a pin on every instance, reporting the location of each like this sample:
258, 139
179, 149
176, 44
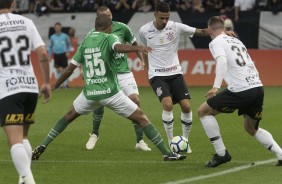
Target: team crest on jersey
161, 40
170, 36
159, 91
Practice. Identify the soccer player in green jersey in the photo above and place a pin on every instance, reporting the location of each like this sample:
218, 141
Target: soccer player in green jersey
125, 79
97, 55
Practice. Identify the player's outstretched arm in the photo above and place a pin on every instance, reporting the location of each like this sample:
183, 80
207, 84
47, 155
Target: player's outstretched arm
122, 48
65, 75
202, 32
205, 33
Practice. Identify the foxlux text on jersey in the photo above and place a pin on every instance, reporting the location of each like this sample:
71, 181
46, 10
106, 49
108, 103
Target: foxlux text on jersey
20, 80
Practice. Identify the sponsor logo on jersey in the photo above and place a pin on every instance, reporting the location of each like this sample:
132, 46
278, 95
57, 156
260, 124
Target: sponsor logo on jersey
98, 92
11, 29
151, 30
96, 81
119, 55
11, 22
20, 80
166, 69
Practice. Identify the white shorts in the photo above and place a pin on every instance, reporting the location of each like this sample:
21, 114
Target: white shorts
119, 103
127, 83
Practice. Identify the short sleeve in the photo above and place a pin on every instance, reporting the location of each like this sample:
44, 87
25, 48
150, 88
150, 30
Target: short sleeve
142, 37
36, 38
78, 56
113, 40
184, 29
129, 36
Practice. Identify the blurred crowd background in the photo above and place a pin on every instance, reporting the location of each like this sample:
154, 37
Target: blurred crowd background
41, 7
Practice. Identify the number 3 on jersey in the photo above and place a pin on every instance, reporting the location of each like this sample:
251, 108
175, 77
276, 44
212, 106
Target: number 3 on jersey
93, 61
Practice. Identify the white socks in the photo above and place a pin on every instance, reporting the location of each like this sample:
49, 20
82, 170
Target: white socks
167, 117
22, 161
168, 120
212, 130
266, 139
28, 148
186, 121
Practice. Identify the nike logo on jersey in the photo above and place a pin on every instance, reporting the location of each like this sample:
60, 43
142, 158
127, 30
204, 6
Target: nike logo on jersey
150, 37
186, 94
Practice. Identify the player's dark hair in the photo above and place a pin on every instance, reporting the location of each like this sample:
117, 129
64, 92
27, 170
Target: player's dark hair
101, 9
6, 4
162, 7
102, 22
216, 22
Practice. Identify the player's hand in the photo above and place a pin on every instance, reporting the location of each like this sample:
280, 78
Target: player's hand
211, 93
45, 90
230, 33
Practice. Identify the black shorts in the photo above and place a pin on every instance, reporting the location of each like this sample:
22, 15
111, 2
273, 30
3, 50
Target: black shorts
18, 109
247, 102
60, 60
173, 86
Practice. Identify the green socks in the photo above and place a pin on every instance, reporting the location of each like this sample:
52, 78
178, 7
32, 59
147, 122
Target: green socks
153, 134
97, 118
138, 131
55, 131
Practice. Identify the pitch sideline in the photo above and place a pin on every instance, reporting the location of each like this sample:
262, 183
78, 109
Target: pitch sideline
235, 169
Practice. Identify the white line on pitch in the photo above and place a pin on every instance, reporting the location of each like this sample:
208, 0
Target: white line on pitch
101, 161
235, 169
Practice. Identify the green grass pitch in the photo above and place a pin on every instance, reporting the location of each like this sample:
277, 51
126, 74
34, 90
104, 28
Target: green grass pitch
115, 160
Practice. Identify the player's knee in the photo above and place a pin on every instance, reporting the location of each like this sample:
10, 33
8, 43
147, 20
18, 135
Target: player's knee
135, 99
71, 115
202, 112
143, 121
140, 118
251, 131
186, 108
167, 105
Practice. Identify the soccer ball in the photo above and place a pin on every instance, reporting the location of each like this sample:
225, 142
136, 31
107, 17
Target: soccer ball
179, 144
